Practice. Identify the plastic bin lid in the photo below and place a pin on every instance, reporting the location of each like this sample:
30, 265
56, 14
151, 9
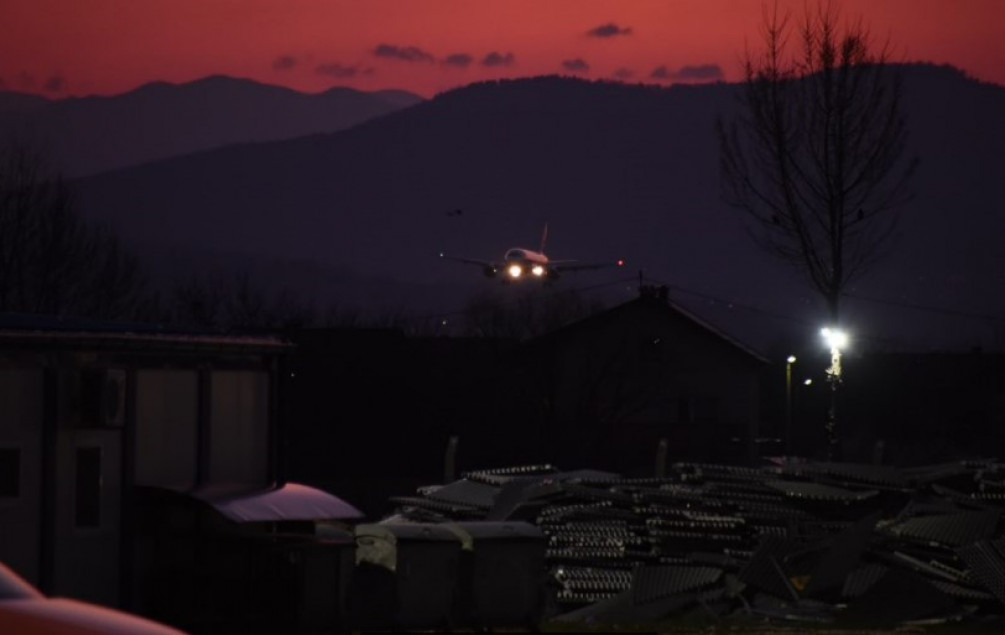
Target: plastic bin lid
395, 532
468, 532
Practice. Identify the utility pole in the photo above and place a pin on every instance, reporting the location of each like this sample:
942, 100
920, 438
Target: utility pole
788, 403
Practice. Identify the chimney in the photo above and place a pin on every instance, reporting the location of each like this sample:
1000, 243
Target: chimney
656, 294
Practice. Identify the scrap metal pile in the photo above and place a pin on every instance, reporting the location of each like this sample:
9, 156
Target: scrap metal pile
794, 542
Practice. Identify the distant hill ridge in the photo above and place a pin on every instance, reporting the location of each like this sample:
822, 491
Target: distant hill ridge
85, 135
616, 170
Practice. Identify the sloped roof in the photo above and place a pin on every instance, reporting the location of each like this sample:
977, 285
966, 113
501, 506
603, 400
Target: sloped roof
653, 300
18, 329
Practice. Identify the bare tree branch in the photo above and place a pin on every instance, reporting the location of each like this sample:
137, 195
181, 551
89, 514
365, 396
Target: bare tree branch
816, 155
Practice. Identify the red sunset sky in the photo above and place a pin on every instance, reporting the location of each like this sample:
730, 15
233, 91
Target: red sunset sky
79, 47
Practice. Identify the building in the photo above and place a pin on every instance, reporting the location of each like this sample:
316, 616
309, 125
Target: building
374, 412
91, 412
607, 390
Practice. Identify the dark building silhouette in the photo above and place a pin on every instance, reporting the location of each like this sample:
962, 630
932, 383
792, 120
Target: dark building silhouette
372, 412
612, 385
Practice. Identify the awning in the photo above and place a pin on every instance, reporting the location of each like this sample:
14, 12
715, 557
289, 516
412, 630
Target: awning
292, 501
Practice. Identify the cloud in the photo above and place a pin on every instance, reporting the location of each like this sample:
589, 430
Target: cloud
284, 63
404, 53
701, 73
608, 30
336, 70
577, 65
460, 60
55, 84
498, 59
624, 73
661, 72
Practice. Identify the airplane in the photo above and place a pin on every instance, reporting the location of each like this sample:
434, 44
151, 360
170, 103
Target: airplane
520, 263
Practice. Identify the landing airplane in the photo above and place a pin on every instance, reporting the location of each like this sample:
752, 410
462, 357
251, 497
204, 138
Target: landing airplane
521, 263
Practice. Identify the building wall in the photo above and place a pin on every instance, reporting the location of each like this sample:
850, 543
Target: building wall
167, 413
647, 373
239, 427
20, 442
88, 513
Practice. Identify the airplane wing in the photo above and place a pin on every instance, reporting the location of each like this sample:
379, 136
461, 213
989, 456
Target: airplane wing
575, 265
470, 261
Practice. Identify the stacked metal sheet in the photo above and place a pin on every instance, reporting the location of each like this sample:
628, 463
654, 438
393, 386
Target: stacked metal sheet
793, 542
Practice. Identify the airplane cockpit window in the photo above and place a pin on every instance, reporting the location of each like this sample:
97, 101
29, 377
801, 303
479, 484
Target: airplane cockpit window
514, 254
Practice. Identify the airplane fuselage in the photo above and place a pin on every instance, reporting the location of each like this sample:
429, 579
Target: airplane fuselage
519, 262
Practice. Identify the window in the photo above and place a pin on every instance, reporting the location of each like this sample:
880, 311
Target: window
10, 472
88, 493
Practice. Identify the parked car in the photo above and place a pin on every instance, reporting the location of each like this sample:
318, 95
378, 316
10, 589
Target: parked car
25, 611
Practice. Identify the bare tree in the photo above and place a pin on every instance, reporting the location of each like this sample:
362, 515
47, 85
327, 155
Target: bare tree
816, 155
52, 261
211, 300
526, 313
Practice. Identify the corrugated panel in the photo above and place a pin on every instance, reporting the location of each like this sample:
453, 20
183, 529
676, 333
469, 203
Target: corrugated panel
955, 530
654, 583
764, 571
987, 566
467, 493
871, 474
841, 558
815, 491
861, 579
960, 591
448, 509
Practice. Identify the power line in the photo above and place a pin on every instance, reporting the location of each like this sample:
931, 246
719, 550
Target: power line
730, 303
930, 309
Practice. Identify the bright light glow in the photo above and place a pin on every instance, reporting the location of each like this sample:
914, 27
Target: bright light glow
538, 270
791, 359
621, 263
515, 271
808, 382
836, 339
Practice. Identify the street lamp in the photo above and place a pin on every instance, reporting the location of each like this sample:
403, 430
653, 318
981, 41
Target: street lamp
836, 340
789, 361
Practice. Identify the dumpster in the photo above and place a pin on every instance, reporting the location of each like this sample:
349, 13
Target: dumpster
502, 574
319, 569
405, 576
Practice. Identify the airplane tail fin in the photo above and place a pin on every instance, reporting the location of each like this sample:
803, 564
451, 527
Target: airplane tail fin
544, 238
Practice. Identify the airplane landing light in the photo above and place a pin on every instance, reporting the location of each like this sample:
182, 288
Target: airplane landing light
515, 271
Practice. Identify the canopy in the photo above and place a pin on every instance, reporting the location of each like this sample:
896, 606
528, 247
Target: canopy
291, 501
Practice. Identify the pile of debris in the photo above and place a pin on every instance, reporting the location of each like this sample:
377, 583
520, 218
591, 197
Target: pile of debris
794, 542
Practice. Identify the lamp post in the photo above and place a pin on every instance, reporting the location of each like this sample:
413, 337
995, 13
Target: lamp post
790, 360
836, 339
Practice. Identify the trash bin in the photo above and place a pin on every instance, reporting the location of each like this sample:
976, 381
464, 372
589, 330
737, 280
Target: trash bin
502, 574
320, 568
405, 576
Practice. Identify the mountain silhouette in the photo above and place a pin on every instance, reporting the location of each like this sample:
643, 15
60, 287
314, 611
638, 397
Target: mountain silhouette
616, 171
92, 134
